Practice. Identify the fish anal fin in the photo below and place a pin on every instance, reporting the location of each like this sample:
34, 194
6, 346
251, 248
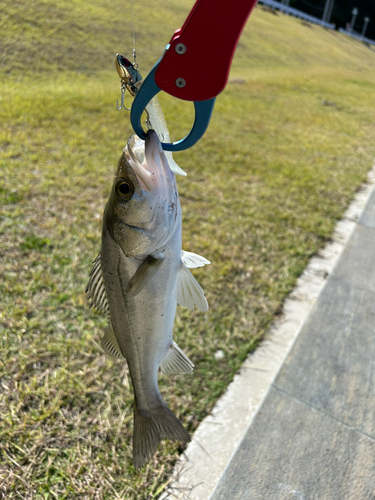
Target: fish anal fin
150, 427
143, 275
189, 292
96, 294
176, 361
110, 345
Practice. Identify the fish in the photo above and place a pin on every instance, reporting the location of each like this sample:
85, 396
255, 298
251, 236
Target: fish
139, 276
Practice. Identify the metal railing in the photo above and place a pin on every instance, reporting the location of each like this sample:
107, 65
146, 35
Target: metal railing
296, 13
357, 36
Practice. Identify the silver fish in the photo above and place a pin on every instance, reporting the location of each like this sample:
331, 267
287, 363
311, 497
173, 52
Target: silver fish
138, 278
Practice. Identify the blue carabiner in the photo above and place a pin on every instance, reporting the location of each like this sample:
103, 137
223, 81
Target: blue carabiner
148, 90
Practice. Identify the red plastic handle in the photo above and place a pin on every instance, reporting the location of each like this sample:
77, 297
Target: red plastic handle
199, 68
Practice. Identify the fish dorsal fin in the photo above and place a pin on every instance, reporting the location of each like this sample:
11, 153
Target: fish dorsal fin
144, 274
96, 294
192, 260
176, 361
189, 292
110, 345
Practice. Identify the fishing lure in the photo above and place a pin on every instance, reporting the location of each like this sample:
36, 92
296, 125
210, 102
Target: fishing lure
130, 76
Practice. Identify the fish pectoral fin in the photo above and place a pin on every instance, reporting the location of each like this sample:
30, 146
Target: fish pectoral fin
143, 275
176, 361
189, 292
110, 345
192, 260
96, 294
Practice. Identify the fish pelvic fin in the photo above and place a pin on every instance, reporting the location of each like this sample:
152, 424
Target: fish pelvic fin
193, 260
150, 428
143, 275
176, 361
189, 292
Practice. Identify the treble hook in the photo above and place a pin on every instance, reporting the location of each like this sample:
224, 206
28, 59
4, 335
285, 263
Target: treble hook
122, 105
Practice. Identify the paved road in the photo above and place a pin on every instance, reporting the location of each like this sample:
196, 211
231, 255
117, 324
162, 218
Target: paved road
314, 436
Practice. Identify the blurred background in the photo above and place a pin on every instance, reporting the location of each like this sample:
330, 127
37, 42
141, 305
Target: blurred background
341, 13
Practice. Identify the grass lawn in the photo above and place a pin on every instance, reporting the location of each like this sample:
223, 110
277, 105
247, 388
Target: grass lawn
291, 140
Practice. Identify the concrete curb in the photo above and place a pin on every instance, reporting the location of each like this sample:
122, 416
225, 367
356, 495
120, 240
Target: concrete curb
219, 434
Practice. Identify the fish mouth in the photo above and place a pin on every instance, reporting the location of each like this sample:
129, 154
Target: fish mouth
148, 161
152, 143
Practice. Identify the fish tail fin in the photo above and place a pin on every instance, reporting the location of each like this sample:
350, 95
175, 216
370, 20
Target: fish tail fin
150, 428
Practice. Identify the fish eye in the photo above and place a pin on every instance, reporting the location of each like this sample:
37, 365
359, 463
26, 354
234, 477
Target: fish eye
124, 189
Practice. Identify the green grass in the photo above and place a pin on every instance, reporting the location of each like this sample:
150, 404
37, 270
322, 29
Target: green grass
290, 142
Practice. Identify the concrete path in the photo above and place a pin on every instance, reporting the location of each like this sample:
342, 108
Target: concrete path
298, 420
314, 435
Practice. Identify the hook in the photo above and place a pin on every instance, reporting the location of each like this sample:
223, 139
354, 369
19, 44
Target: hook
122, 105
